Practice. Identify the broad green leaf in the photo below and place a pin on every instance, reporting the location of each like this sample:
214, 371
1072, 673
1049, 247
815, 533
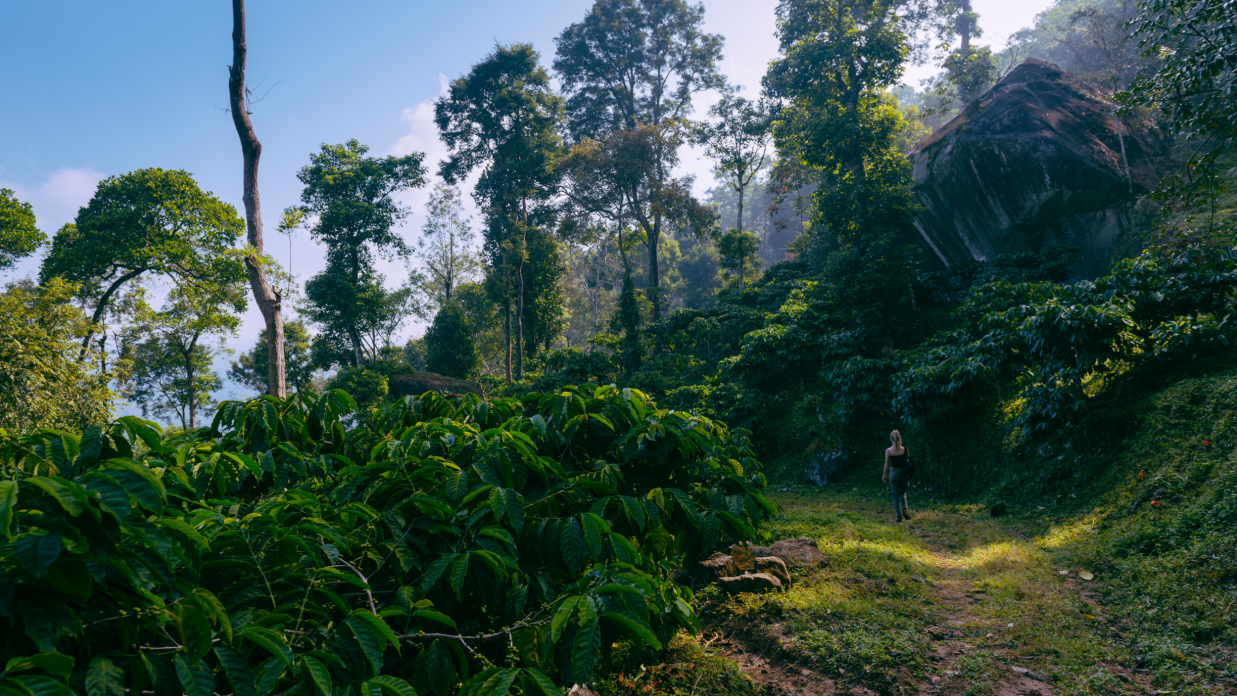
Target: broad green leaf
378, 625
12, 687
563, 615
195, 629
574, 548
269, 641
318, 674
104, 678
214, 609
436, 616
185, 530
51, 662
194, 678
8, 506
440, 669
435, 571
584, 651
38, 685
633, 629
237, 670
393, 686
369, 641
592, 533
71, 496
536, 678
37, 552
458, 572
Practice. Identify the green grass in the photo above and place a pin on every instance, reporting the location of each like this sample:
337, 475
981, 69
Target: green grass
987, 593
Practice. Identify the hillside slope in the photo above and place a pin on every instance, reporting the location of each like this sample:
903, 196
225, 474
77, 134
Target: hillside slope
959, 601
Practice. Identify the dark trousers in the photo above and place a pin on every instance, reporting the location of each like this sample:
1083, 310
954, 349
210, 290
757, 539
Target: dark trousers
897, 489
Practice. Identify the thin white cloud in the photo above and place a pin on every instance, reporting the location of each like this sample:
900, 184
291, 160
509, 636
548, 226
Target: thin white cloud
422, 137
56, 199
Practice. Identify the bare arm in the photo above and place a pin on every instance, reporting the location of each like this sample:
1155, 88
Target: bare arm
885, 474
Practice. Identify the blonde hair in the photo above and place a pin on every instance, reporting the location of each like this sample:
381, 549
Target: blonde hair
896, 438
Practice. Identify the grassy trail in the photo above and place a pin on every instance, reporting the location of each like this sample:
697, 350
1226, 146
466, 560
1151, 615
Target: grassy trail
952, 602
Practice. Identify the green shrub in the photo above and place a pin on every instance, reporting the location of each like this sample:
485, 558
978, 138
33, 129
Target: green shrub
467, 545
449, 346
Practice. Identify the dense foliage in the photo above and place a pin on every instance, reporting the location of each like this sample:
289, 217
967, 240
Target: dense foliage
18, 235
42, 381
449, 347
498, 544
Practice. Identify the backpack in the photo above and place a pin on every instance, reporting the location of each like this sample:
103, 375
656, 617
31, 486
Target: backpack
908, 470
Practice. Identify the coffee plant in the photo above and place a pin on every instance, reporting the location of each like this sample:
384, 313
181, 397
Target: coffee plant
449, 546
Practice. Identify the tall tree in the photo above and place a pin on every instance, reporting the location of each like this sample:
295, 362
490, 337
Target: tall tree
445, 247
44, 383
352, 199
736, 248
270, 301
147, 221
609, 184
171, 359
18, 235
838, 58
738, 141
543, 315
251, 368
1193, 81
449, 346
636, 64
503, 116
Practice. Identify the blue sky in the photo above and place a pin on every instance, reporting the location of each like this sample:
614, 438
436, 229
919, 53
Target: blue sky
102, 88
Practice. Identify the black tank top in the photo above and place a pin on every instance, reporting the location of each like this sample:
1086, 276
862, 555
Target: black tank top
897, 461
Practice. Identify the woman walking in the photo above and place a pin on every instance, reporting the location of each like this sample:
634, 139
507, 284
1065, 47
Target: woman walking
895, 463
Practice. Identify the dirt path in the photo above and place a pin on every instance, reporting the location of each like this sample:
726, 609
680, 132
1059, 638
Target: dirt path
953, 602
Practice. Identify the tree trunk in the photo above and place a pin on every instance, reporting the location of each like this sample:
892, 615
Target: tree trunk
739, 218
519, 321
270, 302
519, 279
507, 314
654, 280
1129, 181
964, 28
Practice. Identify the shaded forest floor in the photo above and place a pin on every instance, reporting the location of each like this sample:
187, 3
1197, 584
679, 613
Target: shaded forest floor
952, 602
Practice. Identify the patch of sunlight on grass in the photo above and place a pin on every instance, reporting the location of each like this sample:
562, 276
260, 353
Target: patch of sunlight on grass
905, 551
999, 556
1062, 535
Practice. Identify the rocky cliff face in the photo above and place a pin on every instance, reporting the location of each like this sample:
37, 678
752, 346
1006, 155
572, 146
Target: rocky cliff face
1035, 162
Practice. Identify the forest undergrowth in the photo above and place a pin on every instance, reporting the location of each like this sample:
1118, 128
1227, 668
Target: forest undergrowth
959, 601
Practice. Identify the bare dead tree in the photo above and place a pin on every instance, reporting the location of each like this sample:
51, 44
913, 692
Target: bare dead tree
270, 301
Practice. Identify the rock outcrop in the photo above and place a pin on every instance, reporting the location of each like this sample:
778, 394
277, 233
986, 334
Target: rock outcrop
1035, 162
799, 553
750, 582
739, 568
417, 383
823, 466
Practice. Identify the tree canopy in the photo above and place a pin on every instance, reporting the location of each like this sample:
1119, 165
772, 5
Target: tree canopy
351, 197
148, 221
18, 235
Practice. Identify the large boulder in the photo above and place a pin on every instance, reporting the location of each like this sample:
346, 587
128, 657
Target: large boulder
799, 553
774, 566
715, 567
744, 559
1035, 162
417, 383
